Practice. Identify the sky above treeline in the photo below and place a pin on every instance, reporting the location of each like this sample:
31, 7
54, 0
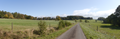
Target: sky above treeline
63, 8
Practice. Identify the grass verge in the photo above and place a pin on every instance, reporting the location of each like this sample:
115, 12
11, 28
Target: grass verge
92, 33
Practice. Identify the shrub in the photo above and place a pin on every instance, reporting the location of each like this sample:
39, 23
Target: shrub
95, 20
42, 27
86, 21
75, 20
80, 20
68, 23
58, 18
36, 32
61, 24
52, 30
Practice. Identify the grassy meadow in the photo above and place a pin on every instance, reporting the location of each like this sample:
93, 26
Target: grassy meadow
23, 24
105, 31
26, 28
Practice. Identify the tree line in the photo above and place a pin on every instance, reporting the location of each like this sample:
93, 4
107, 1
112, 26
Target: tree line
65, 18
15, 15
114, 18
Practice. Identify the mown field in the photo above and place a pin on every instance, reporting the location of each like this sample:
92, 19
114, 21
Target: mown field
105, 31
22, 24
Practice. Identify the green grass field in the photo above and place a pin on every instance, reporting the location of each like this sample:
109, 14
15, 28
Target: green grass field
22, 24
105, 31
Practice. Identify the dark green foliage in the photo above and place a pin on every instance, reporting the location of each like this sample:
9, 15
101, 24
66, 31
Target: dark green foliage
77, 17
114, 18
42, 27
36, 32
35, 18
86, 21
74, 17
2, 14
68, 23
61, 24
80, 20
101, 18
52, 30
58, 18
28, 17
95, 20
15, 15
75, 20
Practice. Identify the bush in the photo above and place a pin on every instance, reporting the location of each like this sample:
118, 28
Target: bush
68, 23
86, 21
75, 20
52, 30
36, 32
61, 24
80, 20
95, 20
42, 27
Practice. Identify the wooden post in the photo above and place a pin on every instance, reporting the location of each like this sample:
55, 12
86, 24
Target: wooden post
12, 27
89, 25
97, 28
114, 37
49, 25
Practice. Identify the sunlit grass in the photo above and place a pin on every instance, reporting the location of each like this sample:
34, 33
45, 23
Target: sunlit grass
55, 34
22, 24
105, 31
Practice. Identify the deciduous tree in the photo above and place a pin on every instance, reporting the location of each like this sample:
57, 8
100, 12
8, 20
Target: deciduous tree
58, 18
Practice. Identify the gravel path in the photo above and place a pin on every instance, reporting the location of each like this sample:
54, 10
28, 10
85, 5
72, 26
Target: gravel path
73, 33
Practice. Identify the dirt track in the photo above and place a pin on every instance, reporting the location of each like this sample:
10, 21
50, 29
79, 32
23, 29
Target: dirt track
73, 33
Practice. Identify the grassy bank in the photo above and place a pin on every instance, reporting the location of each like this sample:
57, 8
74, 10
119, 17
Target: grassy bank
25, 29
105, 31
56, 33
22, 24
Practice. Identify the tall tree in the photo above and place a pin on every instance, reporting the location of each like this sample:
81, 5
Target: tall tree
10, 15
15, 14
22, 16
35, 18
114, 18
5, 16
101, 18
58, 18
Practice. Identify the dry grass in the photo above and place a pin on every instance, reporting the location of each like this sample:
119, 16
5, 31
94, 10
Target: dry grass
24, 28
16, 35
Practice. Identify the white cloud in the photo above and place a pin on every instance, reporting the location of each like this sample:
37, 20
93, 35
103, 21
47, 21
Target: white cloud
93, 13
63, 15
41, 16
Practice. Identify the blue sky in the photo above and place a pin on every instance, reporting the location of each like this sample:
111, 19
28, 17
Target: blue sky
41, 8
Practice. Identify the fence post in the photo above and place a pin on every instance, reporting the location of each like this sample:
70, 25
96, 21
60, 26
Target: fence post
12, 26
97, 28
89, 25
49, 25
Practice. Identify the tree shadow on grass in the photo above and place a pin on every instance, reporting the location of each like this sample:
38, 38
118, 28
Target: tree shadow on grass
110, 26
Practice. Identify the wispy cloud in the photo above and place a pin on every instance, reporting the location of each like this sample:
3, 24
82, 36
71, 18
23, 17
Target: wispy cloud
63, 15
93, 13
